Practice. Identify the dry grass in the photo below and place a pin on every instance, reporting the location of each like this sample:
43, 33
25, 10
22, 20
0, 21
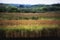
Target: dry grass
33, 14
28, 22
23, 26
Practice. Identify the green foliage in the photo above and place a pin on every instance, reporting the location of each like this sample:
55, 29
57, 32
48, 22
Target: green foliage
32, 9
35, 18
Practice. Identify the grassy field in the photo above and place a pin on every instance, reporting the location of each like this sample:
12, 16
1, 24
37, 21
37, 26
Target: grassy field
30, 16
30, 28
30, 23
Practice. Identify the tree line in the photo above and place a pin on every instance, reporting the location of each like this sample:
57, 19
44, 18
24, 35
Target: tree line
29, 9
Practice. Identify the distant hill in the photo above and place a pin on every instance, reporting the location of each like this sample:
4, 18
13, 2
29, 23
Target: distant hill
21, 5
28, 7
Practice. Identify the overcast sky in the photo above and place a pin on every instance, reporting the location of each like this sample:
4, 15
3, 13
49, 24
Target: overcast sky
30, 1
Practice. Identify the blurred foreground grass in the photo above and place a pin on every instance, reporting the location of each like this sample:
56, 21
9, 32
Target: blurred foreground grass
28, 27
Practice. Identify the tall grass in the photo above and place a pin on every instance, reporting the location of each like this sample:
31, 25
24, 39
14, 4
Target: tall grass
28, 16
45, 32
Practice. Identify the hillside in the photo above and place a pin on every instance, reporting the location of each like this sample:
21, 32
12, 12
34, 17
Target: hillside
27, 8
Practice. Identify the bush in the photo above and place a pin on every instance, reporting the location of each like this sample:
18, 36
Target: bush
35, 18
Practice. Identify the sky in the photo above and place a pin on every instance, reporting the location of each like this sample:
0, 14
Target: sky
30, 1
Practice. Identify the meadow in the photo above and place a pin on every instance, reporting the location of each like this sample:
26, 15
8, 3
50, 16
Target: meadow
30, 24
30, 16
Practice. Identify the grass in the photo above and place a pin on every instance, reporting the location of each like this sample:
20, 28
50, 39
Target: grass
28, 27
30, 22
28, 16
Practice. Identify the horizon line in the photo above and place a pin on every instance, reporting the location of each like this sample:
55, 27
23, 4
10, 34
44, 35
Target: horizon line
30, 4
